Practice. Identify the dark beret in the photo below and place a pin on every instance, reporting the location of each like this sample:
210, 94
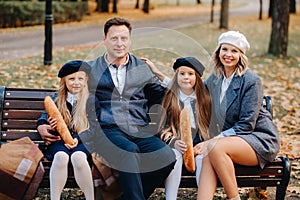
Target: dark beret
189, 62
72, 67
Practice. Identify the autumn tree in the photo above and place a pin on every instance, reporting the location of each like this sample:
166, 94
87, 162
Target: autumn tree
224, 14
103, 6
137, 4
212, 11
292, 6
260, 9
115, 9
271, 6
146, 6
280, 24
98, 7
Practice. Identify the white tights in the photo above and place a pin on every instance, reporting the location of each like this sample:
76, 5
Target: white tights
198, 161
59, 174
173, 180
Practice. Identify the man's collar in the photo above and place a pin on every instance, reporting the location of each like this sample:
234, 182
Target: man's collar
113, 64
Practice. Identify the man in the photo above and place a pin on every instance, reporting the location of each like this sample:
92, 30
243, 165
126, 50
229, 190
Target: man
125, 89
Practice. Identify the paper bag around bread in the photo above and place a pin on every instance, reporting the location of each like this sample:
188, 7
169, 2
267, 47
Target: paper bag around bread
61, 126
186, 136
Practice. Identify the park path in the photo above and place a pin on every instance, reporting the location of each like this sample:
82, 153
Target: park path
21, 42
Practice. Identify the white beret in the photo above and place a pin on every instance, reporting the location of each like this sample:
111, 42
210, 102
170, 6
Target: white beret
236, 39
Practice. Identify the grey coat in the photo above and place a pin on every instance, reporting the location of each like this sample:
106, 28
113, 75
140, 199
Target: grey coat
242, 113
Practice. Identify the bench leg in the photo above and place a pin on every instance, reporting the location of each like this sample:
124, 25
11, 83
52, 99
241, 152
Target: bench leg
281, 189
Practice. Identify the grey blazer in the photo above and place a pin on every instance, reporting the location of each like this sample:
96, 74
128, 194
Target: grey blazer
241, 113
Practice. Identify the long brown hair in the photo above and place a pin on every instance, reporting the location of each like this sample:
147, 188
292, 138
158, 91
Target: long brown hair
79, 121
171, 107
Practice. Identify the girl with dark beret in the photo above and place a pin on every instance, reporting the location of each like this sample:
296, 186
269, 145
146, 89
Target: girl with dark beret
73, 102
185, 91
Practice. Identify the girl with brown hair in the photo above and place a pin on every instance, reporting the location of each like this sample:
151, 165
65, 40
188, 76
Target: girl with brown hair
186, 90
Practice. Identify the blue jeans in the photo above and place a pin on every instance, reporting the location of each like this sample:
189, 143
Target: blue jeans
143, 163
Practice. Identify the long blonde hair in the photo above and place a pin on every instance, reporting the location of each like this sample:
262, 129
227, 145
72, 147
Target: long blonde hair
171, 108
242, 65
79, 121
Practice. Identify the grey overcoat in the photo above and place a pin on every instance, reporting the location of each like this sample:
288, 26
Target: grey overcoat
242, 113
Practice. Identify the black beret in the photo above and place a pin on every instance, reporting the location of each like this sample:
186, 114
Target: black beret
72, 67
189, 62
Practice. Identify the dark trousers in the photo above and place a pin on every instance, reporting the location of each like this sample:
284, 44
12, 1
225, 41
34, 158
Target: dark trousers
143, 163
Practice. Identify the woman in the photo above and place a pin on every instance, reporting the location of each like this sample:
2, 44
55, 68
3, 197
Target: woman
245, 132
241, 128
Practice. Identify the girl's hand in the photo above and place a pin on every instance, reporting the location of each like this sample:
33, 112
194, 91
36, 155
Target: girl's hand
154, 69
72, 146
150, 64
180, 146
52, 122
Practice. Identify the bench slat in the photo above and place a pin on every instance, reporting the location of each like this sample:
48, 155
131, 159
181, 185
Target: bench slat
24, 105
190, 182
21, 114
19, 124
12, 93
13, 135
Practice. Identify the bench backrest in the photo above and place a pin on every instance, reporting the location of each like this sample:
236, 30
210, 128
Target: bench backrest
19, 110
21, 107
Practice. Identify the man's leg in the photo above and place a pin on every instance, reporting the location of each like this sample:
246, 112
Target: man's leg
123, 155
157, 161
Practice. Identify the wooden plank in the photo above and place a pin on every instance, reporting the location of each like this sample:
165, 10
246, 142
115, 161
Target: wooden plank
22, 114
259, 182
14, 135
19, 124
190, 182
14, 93
276, 170
24, 104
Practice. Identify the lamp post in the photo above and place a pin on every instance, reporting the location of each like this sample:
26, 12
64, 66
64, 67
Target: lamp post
48, 34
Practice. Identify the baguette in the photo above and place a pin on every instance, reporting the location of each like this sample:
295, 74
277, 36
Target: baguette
186, 136
61, 126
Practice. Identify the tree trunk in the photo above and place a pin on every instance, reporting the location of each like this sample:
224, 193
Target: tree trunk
137, 5
224, 14
115, 9
212, 11
260, 9
146, 6
98, 7
280, 26
271, 7
105, 6
292, 6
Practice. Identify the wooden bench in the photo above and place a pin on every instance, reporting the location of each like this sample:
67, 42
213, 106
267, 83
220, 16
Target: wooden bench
20, 108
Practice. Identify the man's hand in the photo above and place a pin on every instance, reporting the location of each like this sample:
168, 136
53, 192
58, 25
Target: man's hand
45, 135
